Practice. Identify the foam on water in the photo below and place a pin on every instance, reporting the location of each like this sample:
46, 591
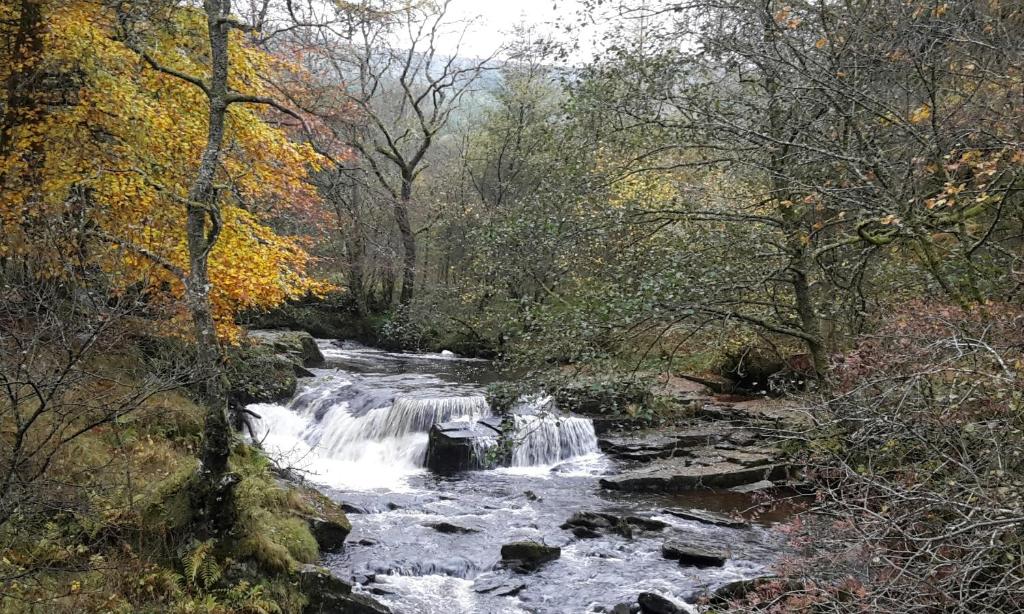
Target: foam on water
370, 430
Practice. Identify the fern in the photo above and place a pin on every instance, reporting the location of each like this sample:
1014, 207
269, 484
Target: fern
201, 567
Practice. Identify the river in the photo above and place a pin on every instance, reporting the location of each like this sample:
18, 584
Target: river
358, 429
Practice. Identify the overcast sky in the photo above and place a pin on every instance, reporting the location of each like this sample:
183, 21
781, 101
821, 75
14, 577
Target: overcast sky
496, 19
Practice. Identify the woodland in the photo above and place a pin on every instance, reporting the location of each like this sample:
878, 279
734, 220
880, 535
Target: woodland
813, 200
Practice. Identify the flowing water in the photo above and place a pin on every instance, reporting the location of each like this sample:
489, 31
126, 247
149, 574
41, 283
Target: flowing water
359, 430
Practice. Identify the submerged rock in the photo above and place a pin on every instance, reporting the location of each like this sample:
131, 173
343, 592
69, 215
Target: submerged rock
527, 556
646, 524
449, 528
696, 555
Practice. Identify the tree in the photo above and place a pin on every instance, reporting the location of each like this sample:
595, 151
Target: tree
406, 92
102, 140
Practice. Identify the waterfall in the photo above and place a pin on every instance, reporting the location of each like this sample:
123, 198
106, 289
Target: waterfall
404, 424
371, 430
545, 439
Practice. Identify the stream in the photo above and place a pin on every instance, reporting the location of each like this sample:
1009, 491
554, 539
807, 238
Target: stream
358, 429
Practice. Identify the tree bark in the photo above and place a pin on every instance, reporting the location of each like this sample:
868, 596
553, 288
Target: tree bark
202, 230
408, 238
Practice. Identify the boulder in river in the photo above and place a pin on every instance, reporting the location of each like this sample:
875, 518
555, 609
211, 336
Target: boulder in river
326, 519
460, 446
527, 556
653, 603
695, 555
298, 346
591, 520
329, 594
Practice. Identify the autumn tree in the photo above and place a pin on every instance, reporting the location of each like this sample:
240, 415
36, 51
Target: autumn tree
101, 139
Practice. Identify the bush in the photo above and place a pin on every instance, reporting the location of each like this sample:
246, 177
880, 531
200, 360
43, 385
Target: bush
919, 466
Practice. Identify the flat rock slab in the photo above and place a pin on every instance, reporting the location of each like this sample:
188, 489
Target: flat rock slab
706, 517
695, 555
678, 475
655, 444
498, 585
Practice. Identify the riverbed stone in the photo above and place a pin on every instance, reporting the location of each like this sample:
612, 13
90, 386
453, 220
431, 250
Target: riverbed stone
680, 475
329, 594
527, 556
326, 519
449, 528
653, 603
646, 524
497, 585
591, 520
299, 346
707, 517
693, 554
450, 450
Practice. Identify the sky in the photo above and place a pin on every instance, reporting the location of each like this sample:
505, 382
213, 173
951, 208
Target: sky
494, 20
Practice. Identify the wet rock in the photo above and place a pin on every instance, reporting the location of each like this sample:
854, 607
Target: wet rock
449, 528
641, 447
591, 520
329, 594
676, 475
458, 446
530, 495
622, 608
707, 517
348, 508
368, 542
653, 603
527, 556
300, 347
652, 445
363, 578
695, 555
585, 533
326, 519
497, 585
646, 524
755, 487
257, 375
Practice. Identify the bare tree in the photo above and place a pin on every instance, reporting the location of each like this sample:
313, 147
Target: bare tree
406, 90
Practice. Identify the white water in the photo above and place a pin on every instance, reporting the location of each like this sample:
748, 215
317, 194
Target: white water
369, 431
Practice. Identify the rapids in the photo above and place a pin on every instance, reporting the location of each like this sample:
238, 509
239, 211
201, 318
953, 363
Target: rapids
359, 430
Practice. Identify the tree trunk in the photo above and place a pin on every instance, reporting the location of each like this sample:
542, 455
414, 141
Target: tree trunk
203, 208
408, 241
794, 217
24, 106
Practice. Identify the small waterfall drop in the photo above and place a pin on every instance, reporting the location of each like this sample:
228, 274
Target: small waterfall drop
546, 439
370, 430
